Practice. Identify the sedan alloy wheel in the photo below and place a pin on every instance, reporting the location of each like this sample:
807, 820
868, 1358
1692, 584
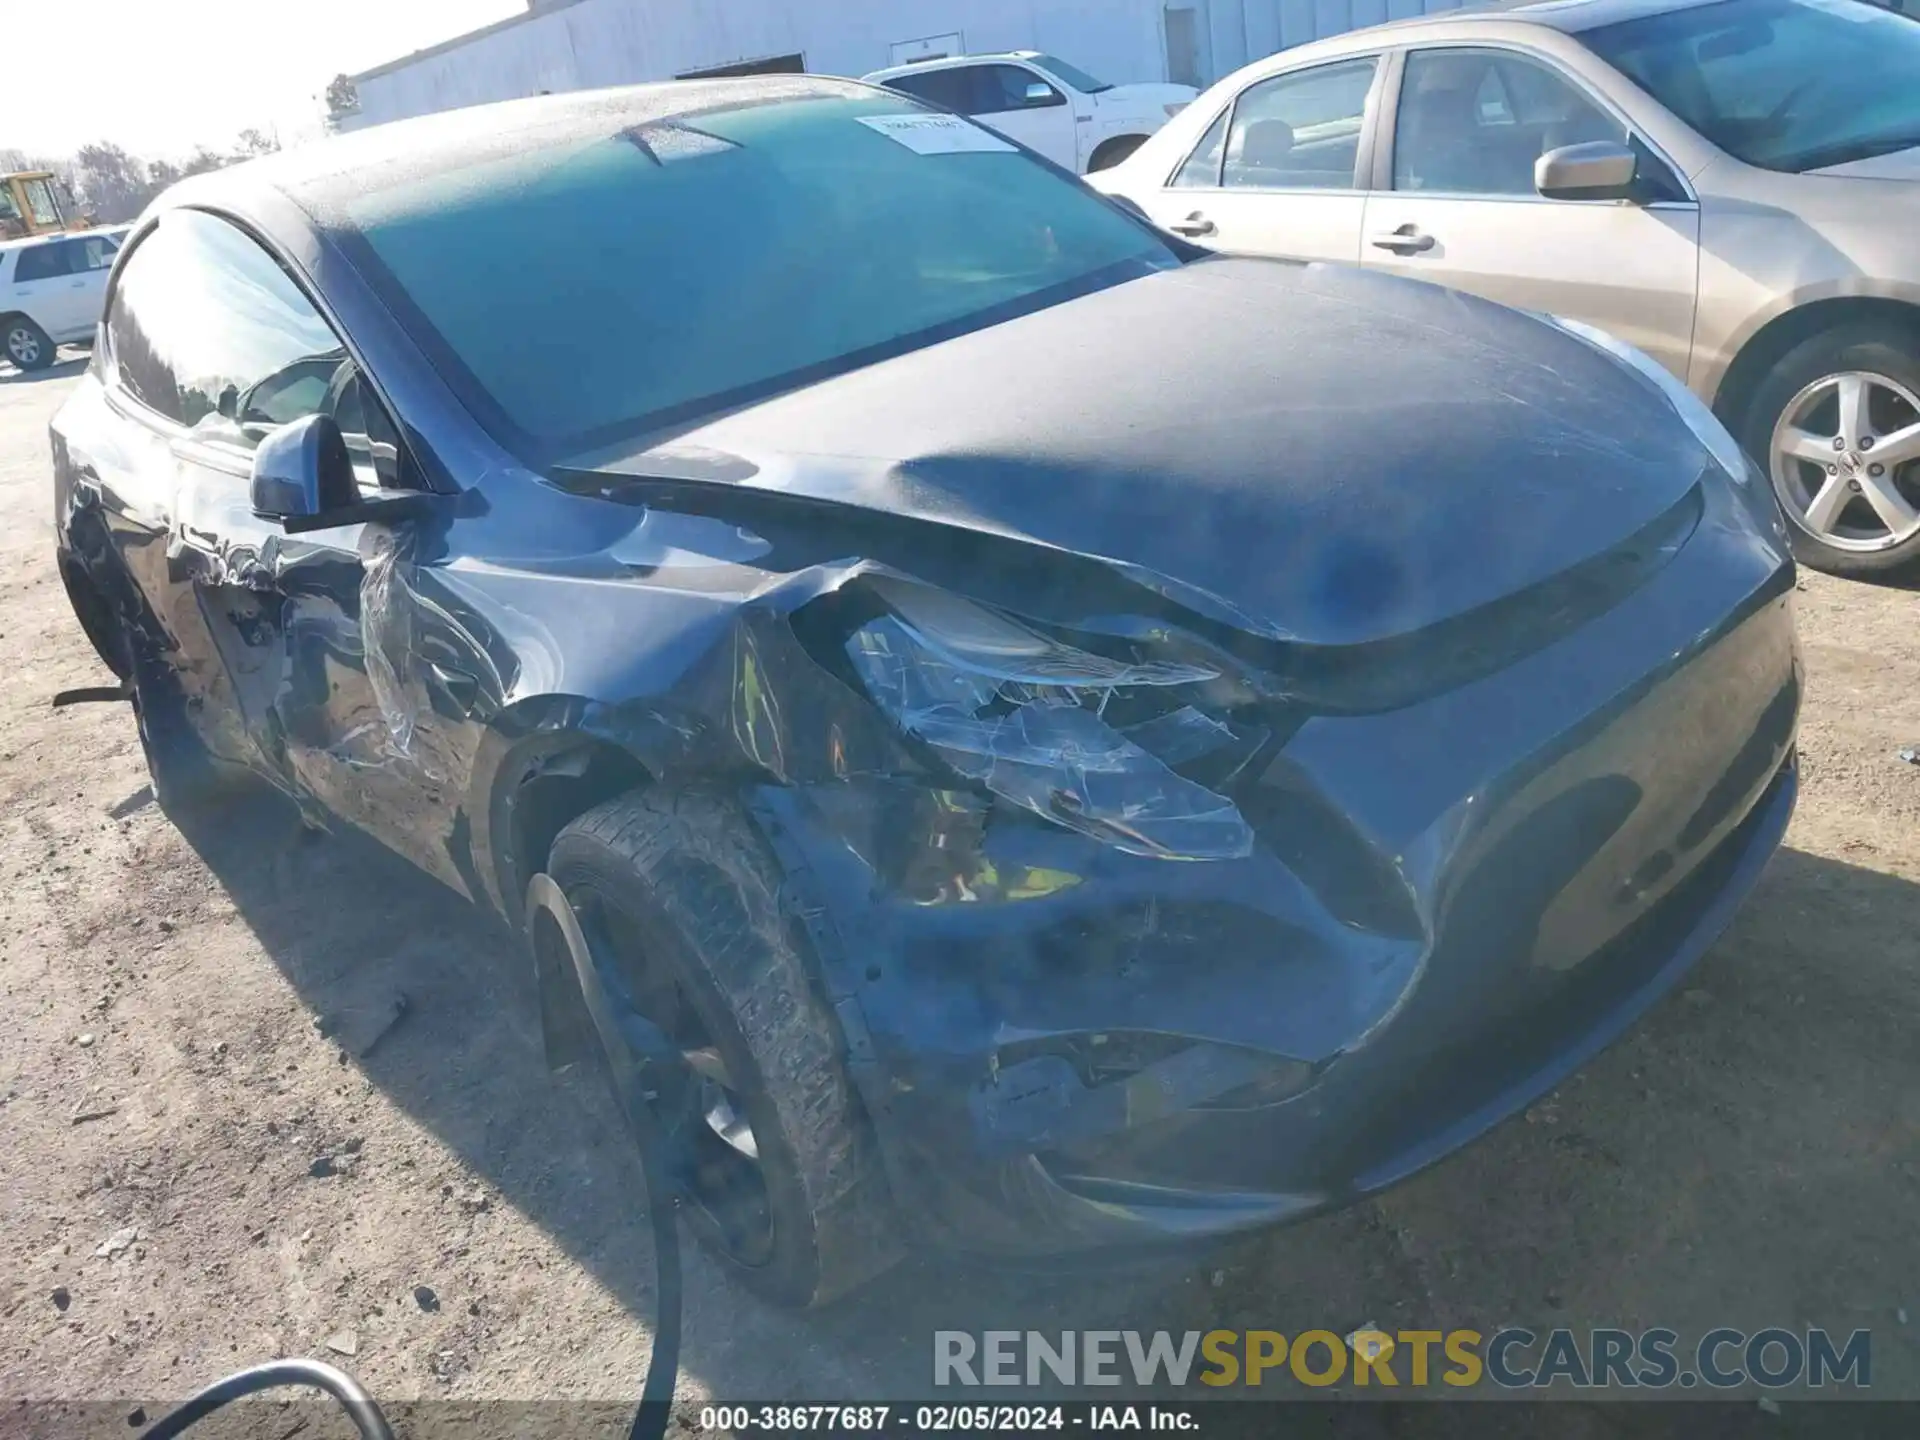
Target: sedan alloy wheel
1845, 460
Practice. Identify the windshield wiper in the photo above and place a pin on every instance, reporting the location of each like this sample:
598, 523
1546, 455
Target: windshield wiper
1865, 148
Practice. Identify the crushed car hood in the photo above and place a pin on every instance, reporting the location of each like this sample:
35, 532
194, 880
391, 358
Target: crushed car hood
1313, 453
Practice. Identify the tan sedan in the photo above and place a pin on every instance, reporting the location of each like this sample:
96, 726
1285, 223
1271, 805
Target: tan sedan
1732, 186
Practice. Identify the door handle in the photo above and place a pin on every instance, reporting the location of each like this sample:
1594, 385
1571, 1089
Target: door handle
1407, 240
1194, 224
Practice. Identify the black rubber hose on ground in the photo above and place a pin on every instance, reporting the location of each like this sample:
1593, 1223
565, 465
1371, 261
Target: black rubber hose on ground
661, 1174
359, 1405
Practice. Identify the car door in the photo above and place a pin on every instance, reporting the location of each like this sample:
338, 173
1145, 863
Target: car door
1278, 172
278, 642
90, 262
1456, 202
1025, 106
62, 302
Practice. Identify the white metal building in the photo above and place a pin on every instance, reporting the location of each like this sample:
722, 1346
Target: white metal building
581, 44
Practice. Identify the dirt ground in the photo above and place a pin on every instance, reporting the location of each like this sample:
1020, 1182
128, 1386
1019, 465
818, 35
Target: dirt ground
204, 1164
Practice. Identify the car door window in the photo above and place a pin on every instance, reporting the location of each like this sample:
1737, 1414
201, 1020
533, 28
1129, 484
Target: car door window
1301, 130
948, 88
1202, 167
1472, 122
1490, 102
91, 252
997, 89
206, 329
43, 262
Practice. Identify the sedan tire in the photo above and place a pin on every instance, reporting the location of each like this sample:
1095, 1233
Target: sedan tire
678, 902
1836, 425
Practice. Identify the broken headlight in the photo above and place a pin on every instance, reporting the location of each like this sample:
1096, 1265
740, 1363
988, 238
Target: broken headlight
1025, 715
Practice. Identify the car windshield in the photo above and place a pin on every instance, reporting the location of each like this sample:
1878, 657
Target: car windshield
1787, 85
586, 292
1073, 75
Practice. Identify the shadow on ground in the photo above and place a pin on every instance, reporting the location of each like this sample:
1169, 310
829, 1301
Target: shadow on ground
60, 369
1738, 1160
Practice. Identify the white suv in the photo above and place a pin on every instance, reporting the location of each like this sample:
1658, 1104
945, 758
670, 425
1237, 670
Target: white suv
52, 288
1046, 104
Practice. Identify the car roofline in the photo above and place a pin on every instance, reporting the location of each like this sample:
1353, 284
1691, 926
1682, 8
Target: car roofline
1569, 17
949, 62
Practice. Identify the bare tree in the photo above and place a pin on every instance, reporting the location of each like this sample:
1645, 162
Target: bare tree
202, 160
113, 186
110, 183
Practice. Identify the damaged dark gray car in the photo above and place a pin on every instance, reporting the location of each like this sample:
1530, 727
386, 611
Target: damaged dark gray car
1008, 731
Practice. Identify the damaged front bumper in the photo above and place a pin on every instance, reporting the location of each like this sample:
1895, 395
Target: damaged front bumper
1450, 905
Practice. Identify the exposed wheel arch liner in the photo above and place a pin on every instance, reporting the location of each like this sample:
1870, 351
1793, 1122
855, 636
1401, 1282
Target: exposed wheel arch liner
537, 770
1112, 150
1793, 322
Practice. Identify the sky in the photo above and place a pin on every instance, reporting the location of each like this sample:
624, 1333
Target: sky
162, 76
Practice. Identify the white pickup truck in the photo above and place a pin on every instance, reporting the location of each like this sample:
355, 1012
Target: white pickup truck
1046, 104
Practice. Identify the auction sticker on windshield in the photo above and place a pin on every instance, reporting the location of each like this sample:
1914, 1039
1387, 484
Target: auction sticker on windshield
934, 134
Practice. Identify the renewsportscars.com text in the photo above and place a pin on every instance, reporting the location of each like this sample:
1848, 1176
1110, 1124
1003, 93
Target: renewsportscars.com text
1514, 1358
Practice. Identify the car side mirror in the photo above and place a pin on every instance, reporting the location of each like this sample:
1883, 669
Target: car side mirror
303, 477
302, 470
1595, 170
1040, 93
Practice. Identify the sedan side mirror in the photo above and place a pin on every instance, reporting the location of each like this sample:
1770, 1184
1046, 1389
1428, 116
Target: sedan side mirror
303, 477
1596, 170
302, 470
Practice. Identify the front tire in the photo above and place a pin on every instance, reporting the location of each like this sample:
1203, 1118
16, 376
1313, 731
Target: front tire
1836, 425
678, 901
26, 344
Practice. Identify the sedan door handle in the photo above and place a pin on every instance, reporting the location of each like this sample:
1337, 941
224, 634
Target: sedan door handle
1194, 224
1407, 240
